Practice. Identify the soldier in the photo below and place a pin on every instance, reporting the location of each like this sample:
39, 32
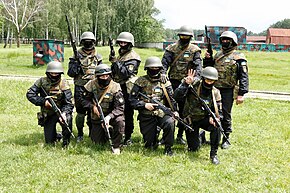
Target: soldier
57, 88
111, 100
149, 116
179, 58
124, 69
82, 73
195, 114
233, 81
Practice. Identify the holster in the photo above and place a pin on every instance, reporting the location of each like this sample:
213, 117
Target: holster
41, 117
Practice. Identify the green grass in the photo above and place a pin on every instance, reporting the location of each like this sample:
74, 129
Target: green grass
258, 160
267, 70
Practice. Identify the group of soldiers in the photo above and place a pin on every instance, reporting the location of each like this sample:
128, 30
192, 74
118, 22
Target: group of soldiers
116, 88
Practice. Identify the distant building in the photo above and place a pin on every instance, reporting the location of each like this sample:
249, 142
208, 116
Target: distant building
278, 36
256, 39
215, 32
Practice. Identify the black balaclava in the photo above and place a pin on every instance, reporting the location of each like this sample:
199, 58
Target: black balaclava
54, 79
184, 42
104, 82
125, 49
154, 74
88, 45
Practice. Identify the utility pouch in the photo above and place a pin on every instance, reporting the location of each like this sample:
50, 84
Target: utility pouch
41, 118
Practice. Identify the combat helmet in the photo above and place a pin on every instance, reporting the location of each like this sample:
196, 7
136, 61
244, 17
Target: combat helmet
88, 36
185, 30
54, 67
229, 34
102, 69
153, 62
126, 37
210, 73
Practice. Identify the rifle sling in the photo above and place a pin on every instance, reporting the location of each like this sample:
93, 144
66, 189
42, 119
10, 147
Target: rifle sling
215, 105
167, 96
104, 93
180, 54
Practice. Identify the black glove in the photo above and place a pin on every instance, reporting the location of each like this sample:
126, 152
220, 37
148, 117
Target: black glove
163, 78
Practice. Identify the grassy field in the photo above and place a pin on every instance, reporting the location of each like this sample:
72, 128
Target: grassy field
258, 161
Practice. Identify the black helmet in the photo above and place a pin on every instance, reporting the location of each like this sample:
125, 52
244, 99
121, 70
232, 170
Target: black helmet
102, 69
210, 73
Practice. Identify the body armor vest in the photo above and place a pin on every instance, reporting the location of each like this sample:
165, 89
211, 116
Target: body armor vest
178, 70
227, 68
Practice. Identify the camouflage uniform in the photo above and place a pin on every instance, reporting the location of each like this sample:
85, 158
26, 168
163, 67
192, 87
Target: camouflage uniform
197, 117
82, 73
123, 68
112, 105
190, 59
233, 79
149, 120
61, 94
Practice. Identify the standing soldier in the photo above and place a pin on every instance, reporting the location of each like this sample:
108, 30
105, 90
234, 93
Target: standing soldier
179, 58
58, 89
150, 117
111, 100
83, 72
125, 68
233, 80
195, 113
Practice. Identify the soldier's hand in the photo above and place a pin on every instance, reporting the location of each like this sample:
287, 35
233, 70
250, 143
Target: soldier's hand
95, 111
163, 78
176, 113
47, 104
206, 54
190, 76
112, 58
150, 106
64, 117
107, 120
239, 100
211, 121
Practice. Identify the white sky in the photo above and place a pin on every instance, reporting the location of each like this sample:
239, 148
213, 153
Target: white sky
254, 15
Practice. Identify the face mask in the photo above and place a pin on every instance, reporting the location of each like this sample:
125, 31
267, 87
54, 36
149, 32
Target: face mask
207, 86
153, 72
184, 41
88, 45
53, 79
104, 82
226, 45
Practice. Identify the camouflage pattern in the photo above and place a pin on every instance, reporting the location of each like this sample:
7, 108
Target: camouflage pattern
226, 66
50, 49
108, 101
193, 107
88, 63
153, 90
179, 69
54, 90
131, 55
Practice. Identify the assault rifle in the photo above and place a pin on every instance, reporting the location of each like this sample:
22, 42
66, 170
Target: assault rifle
166, 110
57, 111
211, 114
73, 44
100, 110
112, 51
209, 47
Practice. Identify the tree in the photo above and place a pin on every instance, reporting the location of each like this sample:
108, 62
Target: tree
20, 13
284, 24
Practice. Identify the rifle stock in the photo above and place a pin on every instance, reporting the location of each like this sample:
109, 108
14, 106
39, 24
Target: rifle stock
57, 111
102, 117
112, 51
209, 47
211, 114
167, 111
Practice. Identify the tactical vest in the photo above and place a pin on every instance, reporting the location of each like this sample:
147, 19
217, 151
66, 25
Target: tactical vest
131, 55
53, 90
227, 68
88, 64
107, 102
178, 70
151, 89
194, 109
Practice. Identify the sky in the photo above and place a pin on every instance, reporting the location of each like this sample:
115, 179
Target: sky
254, 15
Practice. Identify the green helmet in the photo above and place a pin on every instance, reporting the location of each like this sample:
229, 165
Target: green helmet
102, 69
54, 67
88, 36
210, 73
126, 37
229, 34
153, 62
185, 30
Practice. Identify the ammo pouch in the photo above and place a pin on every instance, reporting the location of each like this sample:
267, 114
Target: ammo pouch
41, 117
158, 113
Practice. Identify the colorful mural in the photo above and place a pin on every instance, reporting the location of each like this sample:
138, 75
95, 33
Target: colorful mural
45, 51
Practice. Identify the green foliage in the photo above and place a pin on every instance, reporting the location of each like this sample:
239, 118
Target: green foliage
258, 160
285, 24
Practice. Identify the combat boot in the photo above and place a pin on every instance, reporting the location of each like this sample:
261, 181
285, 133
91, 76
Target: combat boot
225, 143
168, 151
214, 159
80, 138
180, 140
65, 143
58, 136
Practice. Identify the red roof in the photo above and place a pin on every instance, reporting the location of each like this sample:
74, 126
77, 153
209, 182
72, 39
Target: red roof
278, 32
256, 38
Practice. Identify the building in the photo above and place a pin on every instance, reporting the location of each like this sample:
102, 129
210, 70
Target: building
256, 39
278, 36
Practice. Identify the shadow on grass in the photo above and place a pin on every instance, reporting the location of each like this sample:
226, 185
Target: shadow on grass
26, 139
